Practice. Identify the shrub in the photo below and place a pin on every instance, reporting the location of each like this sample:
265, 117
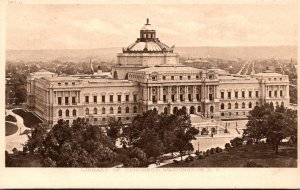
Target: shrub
236, 142
189, 159
10, 118
207, 152
250, 142
227, 146
252, 164
197, 152
201, 156
212, 151
218, 150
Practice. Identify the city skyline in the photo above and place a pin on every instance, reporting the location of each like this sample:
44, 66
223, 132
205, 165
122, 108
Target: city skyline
98, 26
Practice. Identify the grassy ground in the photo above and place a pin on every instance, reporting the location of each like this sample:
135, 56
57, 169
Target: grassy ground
29, 118
10, 118
10, 128
22, 160
261, 154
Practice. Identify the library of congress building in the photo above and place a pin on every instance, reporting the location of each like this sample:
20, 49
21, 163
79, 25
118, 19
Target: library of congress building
149, 76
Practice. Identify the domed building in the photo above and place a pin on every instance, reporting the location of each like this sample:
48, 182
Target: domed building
146, 51
149, 76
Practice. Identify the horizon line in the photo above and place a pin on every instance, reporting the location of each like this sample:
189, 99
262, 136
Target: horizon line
175, 47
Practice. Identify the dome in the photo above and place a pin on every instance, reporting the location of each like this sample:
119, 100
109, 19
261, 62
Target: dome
147, 42
147, 27
148, 46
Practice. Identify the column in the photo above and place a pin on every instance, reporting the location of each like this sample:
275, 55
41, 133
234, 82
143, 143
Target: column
169, 93
186, 93
287, 92
63, 98
161, 92
177, 93
150, 93
194, 93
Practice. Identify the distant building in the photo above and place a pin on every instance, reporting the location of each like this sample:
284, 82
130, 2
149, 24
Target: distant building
149, 76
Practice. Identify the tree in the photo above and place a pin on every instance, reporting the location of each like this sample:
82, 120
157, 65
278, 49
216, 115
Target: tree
113, 128
275, 125
184, 132
81, 145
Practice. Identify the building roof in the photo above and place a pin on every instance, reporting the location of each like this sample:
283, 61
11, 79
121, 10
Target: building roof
170, 69
148, 46
268, 73
42, 72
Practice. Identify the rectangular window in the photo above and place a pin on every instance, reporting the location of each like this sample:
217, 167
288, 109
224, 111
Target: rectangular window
103, 98
119, 98
127, 98
222, 95
73, 83
66, 83
250, 94
164, 77
197, 77
73, 100
181, 97
173, 98
190, 97
270, 93
87, 99
280, 93
243, 94
211, 97
237, 113
164, 98
154, 99
229, 95
66, 100
275, 93
95, 99
189, 77
135, 98
111, 98
256, 94
180, 77
59, 100
172, 77
236, 94
198, 97
59, 84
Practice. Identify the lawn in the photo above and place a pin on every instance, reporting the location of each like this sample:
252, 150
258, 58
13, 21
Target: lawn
260, 154
10, 118
22, 160
29, 118
10, 128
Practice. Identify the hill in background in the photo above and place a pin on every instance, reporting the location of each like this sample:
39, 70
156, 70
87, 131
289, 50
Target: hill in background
109, 54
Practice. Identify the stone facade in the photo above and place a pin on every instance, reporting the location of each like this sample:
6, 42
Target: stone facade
160, 83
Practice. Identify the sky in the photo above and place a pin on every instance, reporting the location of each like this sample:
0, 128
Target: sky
113, 25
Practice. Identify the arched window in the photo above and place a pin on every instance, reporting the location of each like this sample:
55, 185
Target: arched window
103, 110
67, 113
229, 105
95, 110
222, 106
115, 75
134, 109
111, 110
87, 111
166, 110
119, 110
250, 105
127, 109
282, 104
74, 112
59, 113
199, 109
236, 105
243, 105
211, 109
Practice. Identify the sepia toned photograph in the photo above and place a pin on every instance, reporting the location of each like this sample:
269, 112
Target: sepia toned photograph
151, 86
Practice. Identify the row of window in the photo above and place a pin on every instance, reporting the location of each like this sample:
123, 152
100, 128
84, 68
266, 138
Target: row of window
230, 114
236, 94
66, 83
95, 111
236, 105
275, 93
275, 79
96, 119
95, 99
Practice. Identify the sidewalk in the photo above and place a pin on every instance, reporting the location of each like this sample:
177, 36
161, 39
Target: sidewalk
16, 140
